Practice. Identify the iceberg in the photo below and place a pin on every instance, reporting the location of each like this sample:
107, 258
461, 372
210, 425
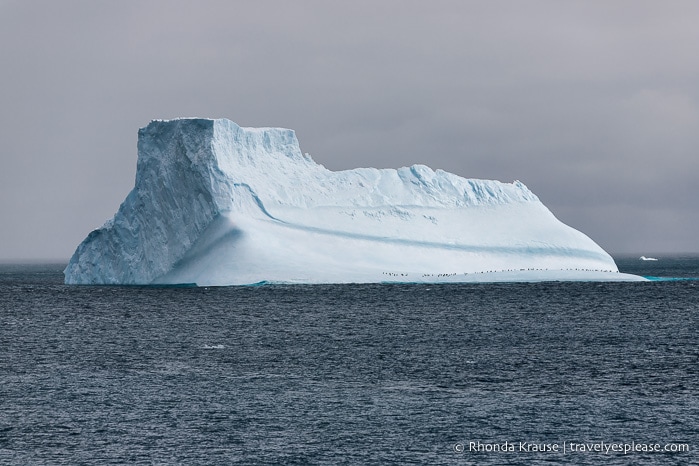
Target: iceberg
217, 204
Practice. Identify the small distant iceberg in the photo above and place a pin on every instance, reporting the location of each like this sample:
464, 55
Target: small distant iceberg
644, 258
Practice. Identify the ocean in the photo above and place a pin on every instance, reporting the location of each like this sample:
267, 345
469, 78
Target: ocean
453, 374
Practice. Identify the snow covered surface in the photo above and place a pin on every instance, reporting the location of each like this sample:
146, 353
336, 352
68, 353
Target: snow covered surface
217, 204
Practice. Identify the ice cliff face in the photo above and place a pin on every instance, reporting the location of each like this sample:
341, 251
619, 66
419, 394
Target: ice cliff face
217, 204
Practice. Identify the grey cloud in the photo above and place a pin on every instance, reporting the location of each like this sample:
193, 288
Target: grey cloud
593, 104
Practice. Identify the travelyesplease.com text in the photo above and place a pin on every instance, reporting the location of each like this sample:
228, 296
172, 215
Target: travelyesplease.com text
566, 447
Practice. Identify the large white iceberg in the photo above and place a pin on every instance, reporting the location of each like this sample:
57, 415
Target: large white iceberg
217, 204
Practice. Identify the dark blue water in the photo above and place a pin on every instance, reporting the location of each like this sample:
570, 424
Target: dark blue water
354, 374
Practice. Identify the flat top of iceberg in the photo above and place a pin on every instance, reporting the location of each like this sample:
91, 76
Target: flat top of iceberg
270, 161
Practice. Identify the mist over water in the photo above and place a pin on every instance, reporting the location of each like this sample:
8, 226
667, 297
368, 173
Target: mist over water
348, 374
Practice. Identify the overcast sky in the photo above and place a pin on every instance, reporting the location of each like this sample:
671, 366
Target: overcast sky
594, 105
